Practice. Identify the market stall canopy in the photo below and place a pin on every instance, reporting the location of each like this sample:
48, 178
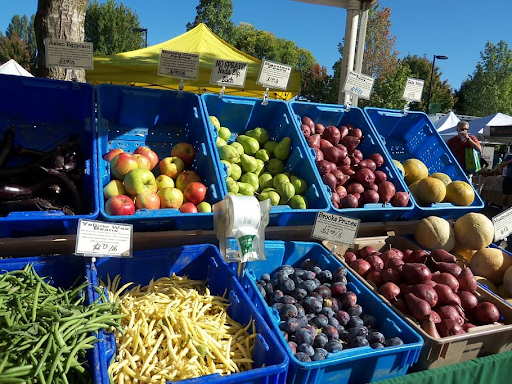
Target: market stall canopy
11, 67
497, 124
140, 67
450, 120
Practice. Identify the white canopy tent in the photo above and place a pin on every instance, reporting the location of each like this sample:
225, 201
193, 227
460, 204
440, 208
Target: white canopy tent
450, 120
13, 68
488, 124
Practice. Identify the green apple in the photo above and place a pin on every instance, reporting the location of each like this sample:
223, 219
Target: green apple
170, 198
113, 188
164, 181
171, 166
225, 133
204, 207
139, 180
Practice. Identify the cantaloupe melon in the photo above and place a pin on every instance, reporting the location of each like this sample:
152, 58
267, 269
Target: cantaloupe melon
507, 281
399, 166
474, 230
414, 170
430, 190
487, 283
460, 193
434, 232
491, 263
441, 176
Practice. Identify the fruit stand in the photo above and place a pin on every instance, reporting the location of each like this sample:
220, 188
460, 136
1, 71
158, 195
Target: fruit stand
421, 295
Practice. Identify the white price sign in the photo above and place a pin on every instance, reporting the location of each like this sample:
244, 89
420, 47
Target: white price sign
182, 65
335, 228
413, 89
68, 54
359, 85
229, 73
97, 238
502, 225
274, 75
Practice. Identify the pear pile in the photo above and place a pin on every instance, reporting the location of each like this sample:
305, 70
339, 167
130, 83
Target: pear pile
256, 166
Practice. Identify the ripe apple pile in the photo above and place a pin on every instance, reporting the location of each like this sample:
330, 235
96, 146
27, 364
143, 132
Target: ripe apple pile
354, 179
134, 186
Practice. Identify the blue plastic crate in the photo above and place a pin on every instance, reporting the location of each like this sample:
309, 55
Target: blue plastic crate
240, 114
330, 114
62, 271
198, 262
357, 365
129, 117
414, 136
46, 113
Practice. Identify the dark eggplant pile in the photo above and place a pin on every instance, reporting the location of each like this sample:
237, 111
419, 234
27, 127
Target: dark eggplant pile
40, 181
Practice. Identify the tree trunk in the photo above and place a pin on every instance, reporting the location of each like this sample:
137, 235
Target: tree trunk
59, 19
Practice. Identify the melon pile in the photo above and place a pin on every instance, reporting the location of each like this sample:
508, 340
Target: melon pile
436, 187
468, 239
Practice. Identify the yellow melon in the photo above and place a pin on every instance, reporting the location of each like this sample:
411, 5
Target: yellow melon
430, 190
414, 170
491, 263
487, 283
441, 176
434, 232
464, 252
507, 281
460, 193
399, 166
474, 230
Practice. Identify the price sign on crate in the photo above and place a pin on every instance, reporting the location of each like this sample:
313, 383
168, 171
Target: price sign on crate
335, 228
413, 90
68, 54
274, 75
97, 238
182, 65
229, 73
359, 85
502, 225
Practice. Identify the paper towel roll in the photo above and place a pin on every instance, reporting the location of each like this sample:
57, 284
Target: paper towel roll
243, 214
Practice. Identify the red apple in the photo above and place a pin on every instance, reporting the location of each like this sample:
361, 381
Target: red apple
120, 205
195, 192
138, 180
121, 164
143, 161
185, 151
172, 166
149, 153
112, 153
170, 198
185, 178
188, 207
147, 199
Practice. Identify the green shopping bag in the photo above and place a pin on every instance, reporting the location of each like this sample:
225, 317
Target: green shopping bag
472, 160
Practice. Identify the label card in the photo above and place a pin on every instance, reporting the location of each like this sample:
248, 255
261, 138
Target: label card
182, 65
68, 54
229, 73
359, 85
98, 238
413, 89
502, 225
335, 228
274, 75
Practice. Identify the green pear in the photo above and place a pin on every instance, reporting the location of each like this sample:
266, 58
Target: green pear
228, 166
239, 147
268, 190
252, 179
298, 202
262, 154
260, 167
235, 194
286, 191
283, 148
220, 142
300, 185
245, 189
272, 195
215, 122
280, 178
275, 166
236, 172
228, 153
250, 144
269, 147
248, 163
232, 185
225, 133
259, 134
265, 180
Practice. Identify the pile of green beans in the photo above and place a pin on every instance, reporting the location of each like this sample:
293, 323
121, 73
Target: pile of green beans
45, 331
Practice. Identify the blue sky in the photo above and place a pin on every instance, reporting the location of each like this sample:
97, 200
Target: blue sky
454, 28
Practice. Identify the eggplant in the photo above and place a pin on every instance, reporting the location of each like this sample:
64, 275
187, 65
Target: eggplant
69, 187
11, 192
31, 204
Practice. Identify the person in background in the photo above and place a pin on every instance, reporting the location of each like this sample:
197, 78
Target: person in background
463, 140
506, 166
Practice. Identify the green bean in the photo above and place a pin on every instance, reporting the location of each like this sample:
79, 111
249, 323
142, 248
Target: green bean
45, 354
4, 362
17, 371
11, 380
54, 366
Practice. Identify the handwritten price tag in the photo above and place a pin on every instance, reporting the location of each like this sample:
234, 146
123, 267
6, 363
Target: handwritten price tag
68, 54
359, 85
229, 73
335, 228
97, 238
274, 75
413, 89
502, 225
182, 65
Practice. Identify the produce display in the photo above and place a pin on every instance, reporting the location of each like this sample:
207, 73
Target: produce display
173, 329
354, 178
318, 315
34, 180
256, 166
45, 332
134, 185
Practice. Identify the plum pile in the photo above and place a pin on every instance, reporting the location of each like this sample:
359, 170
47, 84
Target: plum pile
318, 315
429, 287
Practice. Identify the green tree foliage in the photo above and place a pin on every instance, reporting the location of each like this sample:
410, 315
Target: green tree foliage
110, 27
14, 47
317, 85
489, 89
24, 28
388, 90
216, 14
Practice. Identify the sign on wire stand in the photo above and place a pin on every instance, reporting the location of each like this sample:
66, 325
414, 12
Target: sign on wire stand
358, 85
68, 54
182, 65
274, 75
229, 73
97, 239
335, 228
502, 225
413, 90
